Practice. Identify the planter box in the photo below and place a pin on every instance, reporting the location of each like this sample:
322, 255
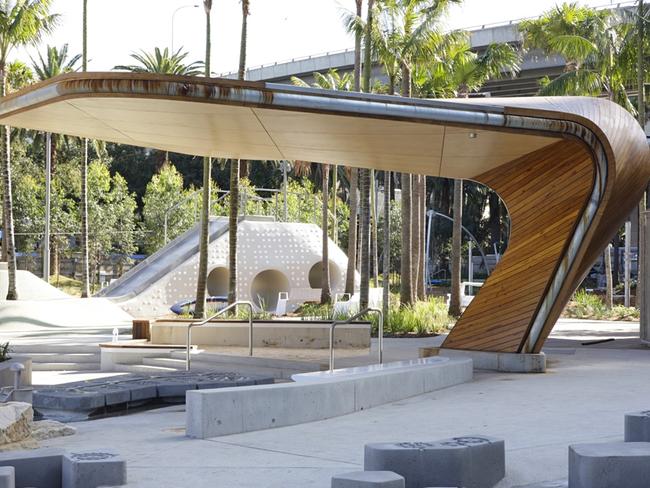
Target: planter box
7, 376
297, 334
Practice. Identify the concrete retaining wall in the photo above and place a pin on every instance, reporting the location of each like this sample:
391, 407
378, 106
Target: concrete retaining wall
212, 413
290, 334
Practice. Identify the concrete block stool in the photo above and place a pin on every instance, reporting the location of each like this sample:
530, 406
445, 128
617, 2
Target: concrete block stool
637, 426
368, 479
7, 477
470, 462
624, 464
93, 469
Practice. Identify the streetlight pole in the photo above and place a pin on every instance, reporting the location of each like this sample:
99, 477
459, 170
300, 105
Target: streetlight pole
174, 18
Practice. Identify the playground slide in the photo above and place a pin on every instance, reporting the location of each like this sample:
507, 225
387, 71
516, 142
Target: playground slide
152, 269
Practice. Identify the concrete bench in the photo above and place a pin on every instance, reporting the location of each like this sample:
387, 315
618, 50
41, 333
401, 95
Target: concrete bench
362, 370
611, 464
470, 462
368, 479
637, 426
212, 413
54, 468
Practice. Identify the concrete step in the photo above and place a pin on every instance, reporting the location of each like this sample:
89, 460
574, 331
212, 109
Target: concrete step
53, 357
142, 368
305, 366
65, 366
54, 348
282, 370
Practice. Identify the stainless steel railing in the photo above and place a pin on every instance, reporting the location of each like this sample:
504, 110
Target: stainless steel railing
353, 318
220, 312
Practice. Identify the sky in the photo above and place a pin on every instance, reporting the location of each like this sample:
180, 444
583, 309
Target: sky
279, 30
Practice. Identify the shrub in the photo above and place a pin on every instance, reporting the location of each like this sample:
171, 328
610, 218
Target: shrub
590, 306
4, 352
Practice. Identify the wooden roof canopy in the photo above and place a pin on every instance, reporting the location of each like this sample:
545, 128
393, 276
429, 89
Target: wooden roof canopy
569, 169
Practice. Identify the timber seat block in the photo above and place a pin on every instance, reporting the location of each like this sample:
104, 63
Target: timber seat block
92, 469
608, 465
637, 426
7, 477
368, 479
470, 461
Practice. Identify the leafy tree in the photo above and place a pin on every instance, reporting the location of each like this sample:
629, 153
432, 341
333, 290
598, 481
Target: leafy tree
22, 23
165, 195
163, 62
111, 215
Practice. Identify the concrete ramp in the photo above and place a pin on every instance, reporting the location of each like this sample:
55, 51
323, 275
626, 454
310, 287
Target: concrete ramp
163, 261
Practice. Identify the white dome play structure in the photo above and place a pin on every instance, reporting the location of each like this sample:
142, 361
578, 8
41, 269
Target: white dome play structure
273, 257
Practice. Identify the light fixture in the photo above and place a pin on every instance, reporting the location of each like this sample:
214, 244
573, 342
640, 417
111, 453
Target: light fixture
473, 135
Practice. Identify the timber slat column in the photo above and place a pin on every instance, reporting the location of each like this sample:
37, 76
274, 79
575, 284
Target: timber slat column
545, 193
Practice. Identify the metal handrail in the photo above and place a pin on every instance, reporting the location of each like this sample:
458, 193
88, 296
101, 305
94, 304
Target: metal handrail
351, 319
220, 312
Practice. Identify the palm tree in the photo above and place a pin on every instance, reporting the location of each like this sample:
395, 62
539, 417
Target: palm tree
598, 47
330, 81
235, 168
54, 63
202, 278
85, 262
354, 172
245, 12
163, 62
21, 23
364, 174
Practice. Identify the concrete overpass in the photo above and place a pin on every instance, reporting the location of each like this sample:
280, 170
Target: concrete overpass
535, 64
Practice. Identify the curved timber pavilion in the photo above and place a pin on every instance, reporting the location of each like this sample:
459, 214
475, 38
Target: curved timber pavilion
569, 169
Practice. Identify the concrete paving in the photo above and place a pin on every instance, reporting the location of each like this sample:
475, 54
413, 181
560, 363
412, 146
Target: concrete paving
582, 398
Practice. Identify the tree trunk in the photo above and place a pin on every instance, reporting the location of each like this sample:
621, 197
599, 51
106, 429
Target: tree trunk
357, 50
494, 221
85, 264
364, 237
335, 181
364, 175
85, 260
415, 233
352, 232
386, 246
241, 74
421, 288
202, 277
454, 303
325, 294
609, 292
406, 285
204, 239
9, 245
232, 230
373, 241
